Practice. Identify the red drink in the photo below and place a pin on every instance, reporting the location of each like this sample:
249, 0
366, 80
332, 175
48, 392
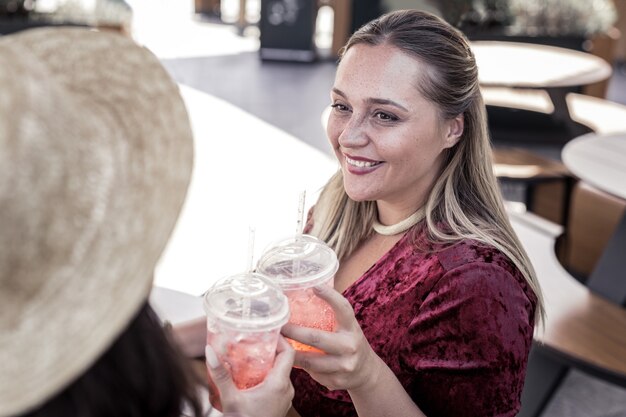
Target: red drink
244, 317
308, 310
248, 357
298, 265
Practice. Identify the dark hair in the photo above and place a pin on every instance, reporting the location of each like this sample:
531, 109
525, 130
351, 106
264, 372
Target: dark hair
143, 374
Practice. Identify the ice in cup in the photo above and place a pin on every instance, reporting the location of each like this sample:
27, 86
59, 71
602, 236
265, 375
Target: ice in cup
297, 265
244, 315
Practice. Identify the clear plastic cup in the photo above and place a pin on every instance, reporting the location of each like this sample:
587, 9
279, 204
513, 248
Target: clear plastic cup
297, 264
244, 315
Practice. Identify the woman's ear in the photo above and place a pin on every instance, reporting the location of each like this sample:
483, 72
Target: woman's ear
454, 130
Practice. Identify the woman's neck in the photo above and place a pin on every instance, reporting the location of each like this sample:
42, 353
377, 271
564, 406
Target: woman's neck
389, 214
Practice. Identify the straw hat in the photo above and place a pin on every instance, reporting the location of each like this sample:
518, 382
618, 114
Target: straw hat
95, 159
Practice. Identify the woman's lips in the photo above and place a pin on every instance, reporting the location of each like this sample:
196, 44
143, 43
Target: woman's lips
360, 166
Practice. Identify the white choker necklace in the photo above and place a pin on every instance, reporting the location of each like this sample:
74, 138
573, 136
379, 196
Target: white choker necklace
399, 227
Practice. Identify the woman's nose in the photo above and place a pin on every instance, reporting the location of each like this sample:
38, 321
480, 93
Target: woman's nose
354, 133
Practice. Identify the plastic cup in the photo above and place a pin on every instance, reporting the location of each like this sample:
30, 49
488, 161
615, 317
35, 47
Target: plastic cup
244, 315
298, 264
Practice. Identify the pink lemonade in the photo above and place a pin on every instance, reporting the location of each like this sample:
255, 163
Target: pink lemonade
308, 310
244, 315
248, 357
249, 362
299, 264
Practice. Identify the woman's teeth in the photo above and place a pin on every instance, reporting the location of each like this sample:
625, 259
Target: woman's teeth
361, 164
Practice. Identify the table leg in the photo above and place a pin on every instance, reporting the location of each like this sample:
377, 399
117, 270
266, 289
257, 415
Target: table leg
561, 112
608, 278
341, 24
241, 18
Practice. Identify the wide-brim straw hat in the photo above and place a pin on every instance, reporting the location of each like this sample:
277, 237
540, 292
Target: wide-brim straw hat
95, 159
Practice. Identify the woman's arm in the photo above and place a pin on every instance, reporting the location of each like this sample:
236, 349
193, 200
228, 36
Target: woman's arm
384, 396
350, 363
467, 348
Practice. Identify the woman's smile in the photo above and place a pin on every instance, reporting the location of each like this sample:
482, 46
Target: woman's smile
359, 165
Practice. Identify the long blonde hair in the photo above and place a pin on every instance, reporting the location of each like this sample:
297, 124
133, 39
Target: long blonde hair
465, 197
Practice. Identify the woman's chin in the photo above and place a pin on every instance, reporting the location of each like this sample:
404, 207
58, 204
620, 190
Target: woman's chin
359, 196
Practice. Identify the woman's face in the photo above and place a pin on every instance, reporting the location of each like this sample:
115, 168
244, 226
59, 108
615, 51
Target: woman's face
388, 138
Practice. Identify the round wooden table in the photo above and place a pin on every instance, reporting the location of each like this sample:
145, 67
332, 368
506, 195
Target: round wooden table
526, 65
532, 66
599, 160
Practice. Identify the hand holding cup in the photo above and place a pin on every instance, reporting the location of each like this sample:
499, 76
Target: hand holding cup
270, 398
348, 361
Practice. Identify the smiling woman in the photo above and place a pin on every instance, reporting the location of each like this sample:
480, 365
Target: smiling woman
376, 126
435, 299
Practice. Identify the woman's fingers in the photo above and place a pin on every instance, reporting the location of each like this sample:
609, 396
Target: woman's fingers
284, 359
329, 342
218, 373
273, 395
318, 363
344, 314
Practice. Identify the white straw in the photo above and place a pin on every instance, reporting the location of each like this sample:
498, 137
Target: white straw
250, 265
300, 222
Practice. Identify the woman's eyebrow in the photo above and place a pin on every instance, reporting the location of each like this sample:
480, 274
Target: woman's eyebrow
338, 92
387, 102
373, 100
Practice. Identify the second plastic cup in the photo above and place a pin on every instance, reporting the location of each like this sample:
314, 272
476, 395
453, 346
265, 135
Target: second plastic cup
244, 315
298, 264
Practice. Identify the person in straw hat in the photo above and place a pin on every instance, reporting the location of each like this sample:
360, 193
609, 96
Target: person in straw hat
96, 155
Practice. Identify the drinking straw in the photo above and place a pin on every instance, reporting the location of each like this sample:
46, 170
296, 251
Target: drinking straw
250, 264
249, 268
300, 221
295, 265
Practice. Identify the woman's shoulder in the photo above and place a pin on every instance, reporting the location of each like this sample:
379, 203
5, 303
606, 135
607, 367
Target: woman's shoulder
474, 264
468, 251
459, 253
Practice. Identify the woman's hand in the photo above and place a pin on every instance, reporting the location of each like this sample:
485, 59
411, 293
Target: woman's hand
190, 337
348, 362
271, 398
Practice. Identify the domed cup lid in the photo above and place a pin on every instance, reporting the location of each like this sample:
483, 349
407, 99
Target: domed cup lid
247, 301
300, 261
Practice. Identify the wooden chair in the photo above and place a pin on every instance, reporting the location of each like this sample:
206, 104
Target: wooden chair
544, 182
211, 7
593, 216
342, 22
582, 330
547, 181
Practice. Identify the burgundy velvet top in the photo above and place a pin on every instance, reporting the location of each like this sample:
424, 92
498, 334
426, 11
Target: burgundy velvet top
454, 324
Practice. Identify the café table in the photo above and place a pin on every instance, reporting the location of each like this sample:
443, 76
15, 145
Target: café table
600, 161
553, 69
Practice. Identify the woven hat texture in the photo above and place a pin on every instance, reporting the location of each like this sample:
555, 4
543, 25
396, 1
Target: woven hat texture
95, 159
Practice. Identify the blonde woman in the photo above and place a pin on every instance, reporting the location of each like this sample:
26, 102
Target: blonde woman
435, 299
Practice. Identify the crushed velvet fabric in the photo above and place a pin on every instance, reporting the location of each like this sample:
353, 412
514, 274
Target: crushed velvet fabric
455, 325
